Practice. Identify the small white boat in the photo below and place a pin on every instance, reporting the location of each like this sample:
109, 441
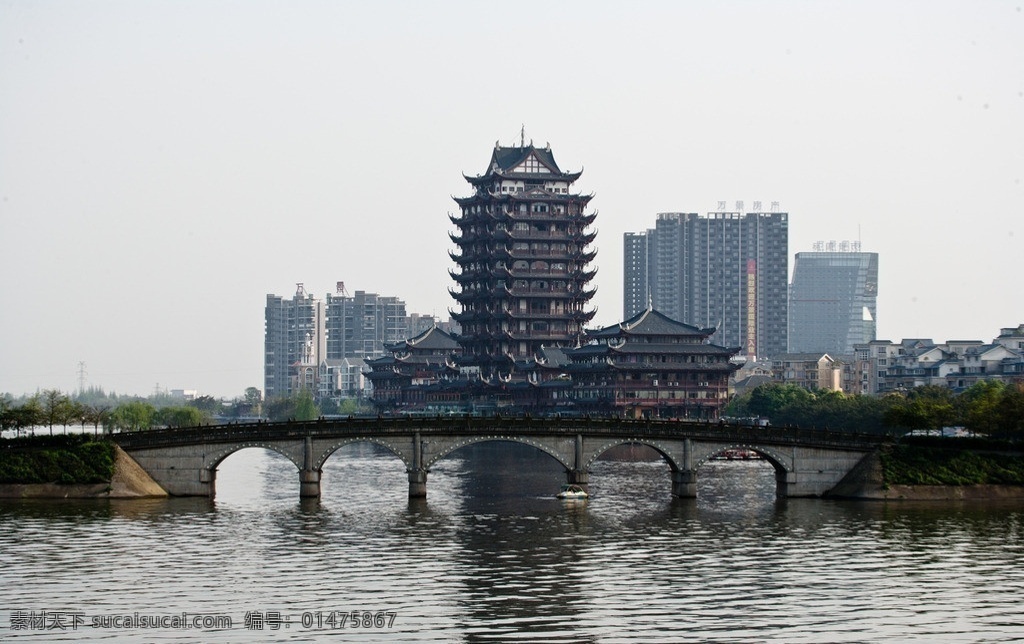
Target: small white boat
572, 491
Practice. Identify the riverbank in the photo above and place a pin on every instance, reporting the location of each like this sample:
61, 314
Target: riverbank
73, 469
917, 473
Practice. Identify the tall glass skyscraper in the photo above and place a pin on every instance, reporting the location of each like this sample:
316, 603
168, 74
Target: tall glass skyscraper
832, 301
727, 270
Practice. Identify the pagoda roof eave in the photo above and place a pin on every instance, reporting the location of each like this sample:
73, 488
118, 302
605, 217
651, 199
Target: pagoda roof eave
491, 176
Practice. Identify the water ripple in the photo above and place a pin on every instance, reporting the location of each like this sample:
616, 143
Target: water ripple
492, 557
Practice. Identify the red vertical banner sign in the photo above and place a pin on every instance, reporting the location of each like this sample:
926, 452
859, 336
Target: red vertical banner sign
751, 309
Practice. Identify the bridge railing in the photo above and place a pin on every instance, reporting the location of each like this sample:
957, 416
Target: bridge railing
498, 426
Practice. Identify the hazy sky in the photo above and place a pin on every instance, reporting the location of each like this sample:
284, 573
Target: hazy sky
165, 165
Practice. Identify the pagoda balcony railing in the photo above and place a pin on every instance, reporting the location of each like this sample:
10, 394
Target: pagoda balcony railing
549, 215
545, 293
569, 254
554, 336
534, 315
537, 274
545, 235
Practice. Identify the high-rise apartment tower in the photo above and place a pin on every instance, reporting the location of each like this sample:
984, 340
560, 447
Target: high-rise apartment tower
358, 325
727, 270
293, 336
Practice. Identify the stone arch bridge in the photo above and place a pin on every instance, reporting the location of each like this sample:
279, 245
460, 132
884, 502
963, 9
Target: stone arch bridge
807, 462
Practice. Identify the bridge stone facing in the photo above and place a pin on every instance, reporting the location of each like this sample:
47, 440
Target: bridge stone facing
806, 462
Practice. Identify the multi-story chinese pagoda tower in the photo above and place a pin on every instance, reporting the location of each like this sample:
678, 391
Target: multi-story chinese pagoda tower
523, 260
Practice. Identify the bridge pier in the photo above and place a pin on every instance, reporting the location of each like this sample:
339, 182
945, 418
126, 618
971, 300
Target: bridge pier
309, 484
309, 476
578, 477
782, 483
417, 484
208, 477
684, 484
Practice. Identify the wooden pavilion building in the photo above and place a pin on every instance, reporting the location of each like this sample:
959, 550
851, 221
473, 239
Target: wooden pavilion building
651, 365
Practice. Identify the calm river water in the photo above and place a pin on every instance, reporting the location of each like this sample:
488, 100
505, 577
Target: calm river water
492, 556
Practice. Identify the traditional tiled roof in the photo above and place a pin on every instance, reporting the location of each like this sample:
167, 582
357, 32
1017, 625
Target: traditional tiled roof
554, 357
506, 159
431, 339
650, 322
655, 348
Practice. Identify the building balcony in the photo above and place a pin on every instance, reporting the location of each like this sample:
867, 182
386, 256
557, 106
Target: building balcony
544, 293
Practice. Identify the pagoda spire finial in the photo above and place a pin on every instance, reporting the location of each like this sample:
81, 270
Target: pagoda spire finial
522, 136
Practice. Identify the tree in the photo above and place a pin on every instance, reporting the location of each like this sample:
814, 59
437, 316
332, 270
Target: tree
56, 408
132, 416
8, 413
329, 406
349, 406
1010, 412
29, 414
923, 409
179, 417
207, 404
96, 415
305, 407
768, 399
299, 406
76, 414
979, 406
254, 398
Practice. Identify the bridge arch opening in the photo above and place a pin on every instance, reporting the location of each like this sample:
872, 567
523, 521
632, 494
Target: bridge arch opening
630, 473
255, 476
740, 479
361, 473
489, 470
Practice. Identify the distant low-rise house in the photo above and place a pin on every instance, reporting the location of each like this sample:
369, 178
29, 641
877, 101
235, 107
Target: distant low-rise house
750, 375
885, 367
344, 378
812, 371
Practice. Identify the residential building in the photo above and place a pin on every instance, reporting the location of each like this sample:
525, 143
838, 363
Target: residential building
293, 341
1011, 338
636, 293
885, 367
523, 260
812, 371
308, 340
832, 299
359, 325
344, 378
726, 270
